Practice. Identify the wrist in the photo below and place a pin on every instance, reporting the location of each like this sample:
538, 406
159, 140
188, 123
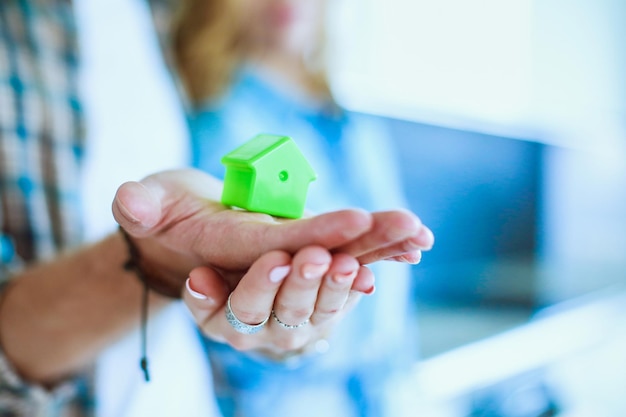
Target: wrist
158, 277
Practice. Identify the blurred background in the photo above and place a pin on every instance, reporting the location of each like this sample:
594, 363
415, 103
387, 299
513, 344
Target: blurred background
509, 119
510, 123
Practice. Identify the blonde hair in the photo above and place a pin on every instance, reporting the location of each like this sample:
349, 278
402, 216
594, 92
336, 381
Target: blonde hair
209, 43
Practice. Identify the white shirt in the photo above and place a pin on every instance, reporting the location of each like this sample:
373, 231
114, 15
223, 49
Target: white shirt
136, 126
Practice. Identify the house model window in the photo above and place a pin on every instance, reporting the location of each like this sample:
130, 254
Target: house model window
268, 174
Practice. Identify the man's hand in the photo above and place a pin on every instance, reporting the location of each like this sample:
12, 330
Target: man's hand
177, 222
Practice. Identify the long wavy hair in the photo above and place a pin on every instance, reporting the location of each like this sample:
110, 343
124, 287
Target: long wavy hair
210, 43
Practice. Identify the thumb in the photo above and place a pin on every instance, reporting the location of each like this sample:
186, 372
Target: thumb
137, 207
142, 207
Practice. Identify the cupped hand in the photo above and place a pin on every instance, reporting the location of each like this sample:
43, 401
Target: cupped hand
177, 222
283, 304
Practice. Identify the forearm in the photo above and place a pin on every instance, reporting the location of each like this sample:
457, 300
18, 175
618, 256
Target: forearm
56, 317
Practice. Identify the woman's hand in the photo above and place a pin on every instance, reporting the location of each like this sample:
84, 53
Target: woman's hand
283, 304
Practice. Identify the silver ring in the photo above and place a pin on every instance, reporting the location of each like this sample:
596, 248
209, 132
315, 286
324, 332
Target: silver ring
289, 326
239, 325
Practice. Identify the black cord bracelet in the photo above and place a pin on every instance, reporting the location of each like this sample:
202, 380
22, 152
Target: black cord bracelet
149, 282
132, 264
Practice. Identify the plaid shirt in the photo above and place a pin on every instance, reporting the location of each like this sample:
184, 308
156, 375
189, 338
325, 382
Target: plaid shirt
41, 155
41, 141
40, 130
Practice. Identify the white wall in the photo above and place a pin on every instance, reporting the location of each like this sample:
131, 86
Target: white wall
580, 101
546, 68
549, 70
579, 61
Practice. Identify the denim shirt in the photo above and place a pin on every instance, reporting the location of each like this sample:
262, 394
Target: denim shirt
355, 165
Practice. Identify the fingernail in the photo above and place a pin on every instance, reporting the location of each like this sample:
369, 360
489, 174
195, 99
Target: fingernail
279, 273
342, 278
312, 271
412, 257
426, 235
370, 290
194, 294
126, 212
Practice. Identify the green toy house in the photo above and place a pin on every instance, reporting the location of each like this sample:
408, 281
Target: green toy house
267, 174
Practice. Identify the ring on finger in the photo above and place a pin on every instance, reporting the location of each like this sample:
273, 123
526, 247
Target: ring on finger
239, 325
288, 326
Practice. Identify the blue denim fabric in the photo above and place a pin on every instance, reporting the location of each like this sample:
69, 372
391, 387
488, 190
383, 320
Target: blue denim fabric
7, 252
354, 160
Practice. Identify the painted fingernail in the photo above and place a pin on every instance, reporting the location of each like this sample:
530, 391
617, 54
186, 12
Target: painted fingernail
313, 271
279, 273
194, 294
370, 290
343, 278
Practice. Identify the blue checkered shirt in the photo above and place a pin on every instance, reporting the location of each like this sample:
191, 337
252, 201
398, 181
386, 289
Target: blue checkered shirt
41, 142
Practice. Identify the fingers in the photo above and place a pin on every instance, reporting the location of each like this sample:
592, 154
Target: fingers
296, 299
407, 250
143, 208
335, 288
329, 230
396, 234
252, 300
364, 281
205, 292
306, 293
136, 207
236, 244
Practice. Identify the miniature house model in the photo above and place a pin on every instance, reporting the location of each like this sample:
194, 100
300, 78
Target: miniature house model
267, 174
